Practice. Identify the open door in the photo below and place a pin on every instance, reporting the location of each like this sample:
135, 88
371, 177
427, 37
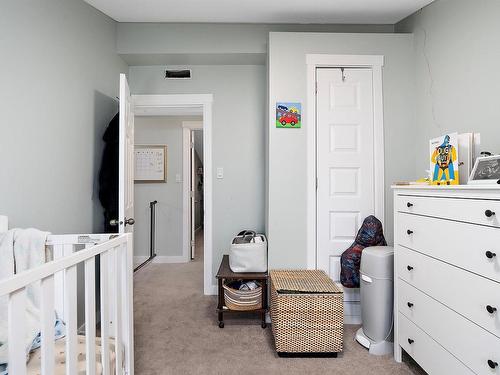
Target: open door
192, 194
126, 161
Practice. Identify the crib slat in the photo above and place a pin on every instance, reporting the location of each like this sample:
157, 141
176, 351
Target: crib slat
47, 328
128, 326
104, 314
59, 283
70, 301
118, 307
17, 321
90, 316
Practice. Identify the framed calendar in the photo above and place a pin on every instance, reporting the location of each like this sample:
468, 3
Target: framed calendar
150, 163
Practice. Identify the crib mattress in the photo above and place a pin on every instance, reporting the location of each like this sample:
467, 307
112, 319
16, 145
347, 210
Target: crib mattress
34, 363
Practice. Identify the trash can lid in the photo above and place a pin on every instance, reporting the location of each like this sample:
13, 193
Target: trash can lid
378, 262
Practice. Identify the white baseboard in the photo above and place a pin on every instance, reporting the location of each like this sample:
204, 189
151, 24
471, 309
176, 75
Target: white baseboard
213, 290
161, 259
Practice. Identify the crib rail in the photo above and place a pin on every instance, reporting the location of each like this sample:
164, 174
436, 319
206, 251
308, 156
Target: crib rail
116, 290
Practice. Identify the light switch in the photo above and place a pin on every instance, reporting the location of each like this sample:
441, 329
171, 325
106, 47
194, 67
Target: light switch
178, 178
220, 172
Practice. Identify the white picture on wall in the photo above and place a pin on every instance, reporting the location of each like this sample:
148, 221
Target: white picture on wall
150, 163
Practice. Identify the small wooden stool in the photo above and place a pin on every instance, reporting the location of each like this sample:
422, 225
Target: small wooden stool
225, 274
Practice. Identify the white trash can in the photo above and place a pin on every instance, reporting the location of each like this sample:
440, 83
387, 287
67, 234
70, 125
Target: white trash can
377, 293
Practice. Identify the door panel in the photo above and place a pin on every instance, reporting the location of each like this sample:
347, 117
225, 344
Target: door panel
126, 160
345, 165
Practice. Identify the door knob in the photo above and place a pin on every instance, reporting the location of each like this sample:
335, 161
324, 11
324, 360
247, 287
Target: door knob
489, 213
409, 204
491, 309
410, 341
409, 268
115, 222
129, 221
410, 305
409, 232
492, 364
490, 255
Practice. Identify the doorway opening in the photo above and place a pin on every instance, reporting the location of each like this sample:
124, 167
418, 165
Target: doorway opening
188, 172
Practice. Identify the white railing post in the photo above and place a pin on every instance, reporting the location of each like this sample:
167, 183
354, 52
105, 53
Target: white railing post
90, 322
104, 314
118, 288
70, 301
47, 328
128, 304
17, 332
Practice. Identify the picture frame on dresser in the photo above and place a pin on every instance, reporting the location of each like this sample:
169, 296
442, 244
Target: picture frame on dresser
486, 171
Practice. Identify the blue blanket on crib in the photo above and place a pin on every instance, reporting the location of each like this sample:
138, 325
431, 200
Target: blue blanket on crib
60, 332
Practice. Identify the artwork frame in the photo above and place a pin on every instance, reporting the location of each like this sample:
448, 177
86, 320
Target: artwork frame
486, 171
288, 115
159, 153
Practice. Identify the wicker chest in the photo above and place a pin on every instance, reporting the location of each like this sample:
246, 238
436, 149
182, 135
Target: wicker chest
307, 313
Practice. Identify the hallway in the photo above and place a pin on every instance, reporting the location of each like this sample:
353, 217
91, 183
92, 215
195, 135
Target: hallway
176, 333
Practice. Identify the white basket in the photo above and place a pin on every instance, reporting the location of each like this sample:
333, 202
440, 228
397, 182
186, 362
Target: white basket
248, 256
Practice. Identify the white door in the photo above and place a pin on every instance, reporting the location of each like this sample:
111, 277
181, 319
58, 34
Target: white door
126, 160
192, 195
345, 165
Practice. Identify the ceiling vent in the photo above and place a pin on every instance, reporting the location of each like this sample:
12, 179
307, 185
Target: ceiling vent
178, 74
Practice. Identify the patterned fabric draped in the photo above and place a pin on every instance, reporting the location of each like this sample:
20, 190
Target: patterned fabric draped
370, 234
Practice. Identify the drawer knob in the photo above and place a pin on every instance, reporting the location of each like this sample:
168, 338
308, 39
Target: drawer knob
489, 213
410, 305
491, 309
409, 232
492, 364
490, 255
410, 341
409, 204
409, 268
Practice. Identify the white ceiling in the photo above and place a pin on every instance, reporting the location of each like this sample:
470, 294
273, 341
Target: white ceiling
260, 11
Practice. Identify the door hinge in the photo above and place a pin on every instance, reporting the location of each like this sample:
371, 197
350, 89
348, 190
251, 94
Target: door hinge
193, 243
191, 193
316, 87
192, 145
316, 183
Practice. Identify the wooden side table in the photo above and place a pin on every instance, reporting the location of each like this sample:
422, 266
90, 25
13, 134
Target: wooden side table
225, 274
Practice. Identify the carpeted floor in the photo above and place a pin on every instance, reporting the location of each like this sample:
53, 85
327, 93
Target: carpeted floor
176, 332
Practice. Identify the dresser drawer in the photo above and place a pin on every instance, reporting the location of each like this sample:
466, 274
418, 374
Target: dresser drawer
464, 245
473, 345
467, 210
428, 353
462, 291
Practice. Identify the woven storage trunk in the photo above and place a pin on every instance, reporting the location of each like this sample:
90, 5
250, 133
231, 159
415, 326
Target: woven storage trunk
307, 312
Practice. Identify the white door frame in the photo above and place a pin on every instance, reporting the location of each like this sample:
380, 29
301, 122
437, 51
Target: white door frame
152, 103
187, 127
314, 61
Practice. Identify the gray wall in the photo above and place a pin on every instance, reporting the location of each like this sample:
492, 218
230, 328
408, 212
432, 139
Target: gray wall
238, 140
210, 44
59, 77
160, 131
457, 53
286, 222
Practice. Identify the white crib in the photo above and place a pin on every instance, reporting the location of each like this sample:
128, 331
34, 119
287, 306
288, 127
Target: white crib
59, 292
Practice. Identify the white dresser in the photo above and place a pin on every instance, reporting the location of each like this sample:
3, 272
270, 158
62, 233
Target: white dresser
447, 278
